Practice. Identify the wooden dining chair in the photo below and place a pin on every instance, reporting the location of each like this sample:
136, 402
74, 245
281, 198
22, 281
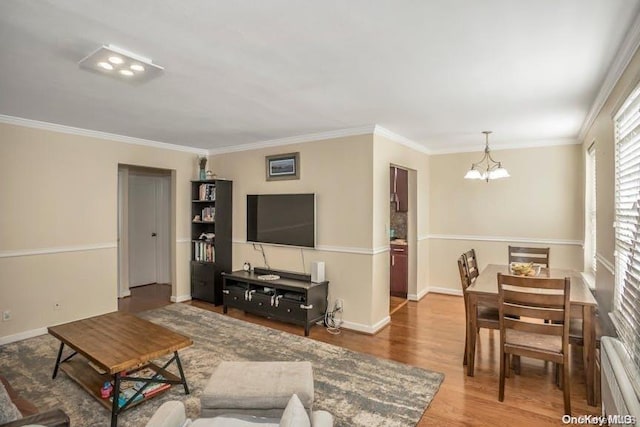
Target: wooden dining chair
471, 264
534, 299
487, 316
539, 256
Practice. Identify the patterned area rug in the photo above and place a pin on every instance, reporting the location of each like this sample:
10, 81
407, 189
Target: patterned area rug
358, 389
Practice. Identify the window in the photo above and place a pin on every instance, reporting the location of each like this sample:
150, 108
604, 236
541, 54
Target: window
626, 315
590, 212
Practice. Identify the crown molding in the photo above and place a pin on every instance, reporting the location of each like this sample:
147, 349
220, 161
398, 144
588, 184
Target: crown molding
623, 56
319, 136
386, 133
537, 143
35, 124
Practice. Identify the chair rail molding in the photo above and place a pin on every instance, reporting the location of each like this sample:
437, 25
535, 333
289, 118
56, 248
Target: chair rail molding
58, 250
608, 265
323, 248
507, 239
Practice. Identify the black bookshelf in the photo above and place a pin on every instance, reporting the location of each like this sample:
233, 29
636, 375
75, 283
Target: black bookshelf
211, 223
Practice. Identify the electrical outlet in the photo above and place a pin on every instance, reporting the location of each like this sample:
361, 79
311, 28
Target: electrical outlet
57, 305
339, 305
6, 315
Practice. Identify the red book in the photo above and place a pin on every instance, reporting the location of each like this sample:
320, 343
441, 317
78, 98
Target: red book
157, 390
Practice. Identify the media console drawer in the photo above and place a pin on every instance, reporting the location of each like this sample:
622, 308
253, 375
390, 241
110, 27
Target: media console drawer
293, 298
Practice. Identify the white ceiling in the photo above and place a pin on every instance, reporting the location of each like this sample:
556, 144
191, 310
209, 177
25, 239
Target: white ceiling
241, 72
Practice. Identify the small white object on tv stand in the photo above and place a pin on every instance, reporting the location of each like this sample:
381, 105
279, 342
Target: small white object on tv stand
317, 271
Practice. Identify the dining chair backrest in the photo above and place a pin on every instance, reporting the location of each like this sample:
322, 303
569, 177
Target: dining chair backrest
524, 301
464, 274
539, 256
471, 264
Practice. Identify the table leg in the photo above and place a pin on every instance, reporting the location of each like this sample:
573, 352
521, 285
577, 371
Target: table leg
182, 377
472, 332
115, 406
589, 350
55, 368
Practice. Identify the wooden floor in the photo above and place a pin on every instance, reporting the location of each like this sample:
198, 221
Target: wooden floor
430, 334
396, 303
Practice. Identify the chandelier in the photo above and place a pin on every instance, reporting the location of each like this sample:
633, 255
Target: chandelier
486, 168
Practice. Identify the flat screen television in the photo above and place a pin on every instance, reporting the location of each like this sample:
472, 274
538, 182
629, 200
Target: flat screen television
282, 219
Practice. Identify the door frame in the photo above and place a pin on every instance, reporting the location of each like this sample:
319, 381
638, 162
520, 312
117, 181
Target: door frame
166, 259
412, 230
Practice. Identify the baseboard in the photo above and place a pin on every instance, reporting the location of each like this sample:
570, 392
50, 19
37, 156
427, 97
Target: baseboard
22, 336
180, 298
419, 296
446, 291
125, 294
359, 327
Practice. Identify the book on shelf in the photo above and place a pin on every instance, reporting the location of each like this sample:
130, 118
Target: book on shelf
207, 192
204, 251
156, 388
208, 214
127, 394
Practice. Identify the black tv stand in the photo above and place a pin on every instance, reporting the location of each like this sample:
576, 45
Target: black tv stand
292, 298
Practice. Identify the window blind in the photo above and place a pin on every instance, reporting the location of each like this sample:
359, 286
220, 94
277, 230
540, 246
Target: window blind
626, 315
590, 211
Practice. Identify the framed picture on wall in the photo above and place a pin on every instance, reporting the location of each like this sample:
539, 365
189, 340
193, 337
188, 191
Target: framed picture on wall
283, 166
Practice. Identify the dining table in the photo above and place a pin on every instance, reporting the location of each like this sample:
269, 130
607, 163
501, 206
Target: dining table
484, 290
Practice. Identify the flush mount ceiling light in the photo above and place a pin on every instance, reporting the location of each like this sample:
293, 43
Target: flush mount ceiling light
487, 168
113, 61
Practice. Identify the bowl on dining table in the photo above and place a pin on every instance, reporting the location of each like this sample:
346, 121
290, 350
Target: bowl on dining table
524, 269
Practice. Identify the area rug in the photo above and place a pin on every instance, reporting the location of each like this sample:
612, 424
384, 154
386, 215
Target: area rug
358, 389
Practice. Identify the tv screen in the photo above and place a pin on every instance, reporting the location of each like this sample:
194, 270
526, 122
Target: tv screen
283, 219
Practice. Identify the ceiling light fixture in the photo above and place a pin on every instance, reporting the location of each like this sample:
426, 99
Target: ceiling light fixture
487, 168
119, 63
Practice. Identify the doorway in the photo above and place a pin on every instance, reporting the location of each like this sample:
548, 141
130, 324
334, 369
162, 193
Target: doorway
144, 215
398, 235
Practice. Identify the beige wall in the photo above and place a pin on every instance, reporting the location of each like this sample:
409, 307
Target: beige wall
59, 195
386, 153
541, 204
339, 172
602, 134
350, 177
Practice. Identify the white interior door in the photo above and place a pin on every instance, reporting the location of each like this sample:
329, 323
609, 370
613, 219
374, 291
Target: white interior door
142, 229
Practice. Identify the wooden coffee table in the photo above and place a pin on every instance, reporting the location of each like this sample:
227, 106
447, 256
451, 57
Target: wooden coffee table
118, 344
